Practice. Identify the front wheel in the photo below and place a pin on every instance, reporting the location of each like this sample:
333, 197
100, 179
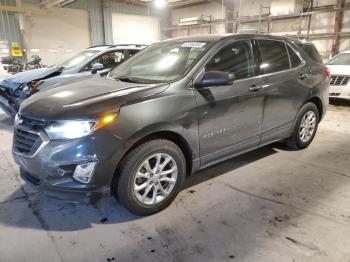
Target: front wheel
305, 127
151, 176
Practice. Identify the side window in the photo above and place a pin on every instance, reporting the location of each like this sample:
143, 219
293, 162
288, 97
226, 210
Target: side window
89, 65
132, 52
274, 56
294, 58
234, 58
108, 59
112, 59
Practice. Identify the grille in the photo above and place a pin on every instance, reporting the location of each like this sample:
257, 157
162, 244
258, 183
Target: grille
334, 94
32, 123
26, 143
339, 80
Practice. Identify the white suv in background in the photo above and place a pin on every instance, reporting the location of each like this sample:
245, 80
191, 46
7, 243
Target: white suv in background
339, 66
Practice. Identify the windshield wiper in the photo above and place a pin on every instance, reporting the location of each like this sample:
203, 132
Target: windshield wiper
131, 80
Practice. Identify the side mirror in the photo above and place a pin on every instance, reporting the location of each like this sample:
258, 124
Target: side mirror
215, 78
96, 67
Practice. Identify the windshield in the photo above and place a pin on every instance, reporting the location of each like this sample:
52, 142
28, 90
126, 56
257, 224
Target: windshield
78, 59
341, 59
161, 62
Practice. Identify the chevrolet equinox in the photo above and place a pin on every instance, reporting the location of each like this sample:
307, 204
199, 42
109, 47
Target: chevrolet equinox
174, 108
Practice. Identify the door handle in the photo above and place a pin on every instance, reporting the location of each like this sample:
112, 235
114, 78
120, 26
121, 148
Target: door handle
302, 76
255, 88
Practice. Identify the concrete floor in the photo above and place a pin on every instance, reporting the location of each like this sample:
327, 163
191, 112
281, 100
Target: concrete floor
268, 205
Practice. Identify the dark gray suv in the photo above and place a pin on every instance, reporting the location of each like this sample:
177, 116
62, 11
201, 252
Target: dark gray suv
176, 107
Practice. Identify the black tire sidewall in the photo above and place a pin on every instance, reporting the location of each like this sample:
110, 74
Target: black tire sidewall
296, 137
132, 162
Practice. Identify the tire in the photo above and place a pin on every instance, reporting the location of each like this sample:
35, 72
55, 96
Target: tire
297, 141
134, 170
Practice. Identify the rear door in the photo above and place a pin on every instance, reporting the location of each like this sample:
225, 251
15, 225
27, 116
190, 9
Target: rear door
287, 79
318, 69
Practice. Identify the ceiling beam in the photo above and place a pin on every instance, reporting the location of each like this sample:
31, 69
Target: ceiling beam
22, 9
134, 2
52, 3
180, 4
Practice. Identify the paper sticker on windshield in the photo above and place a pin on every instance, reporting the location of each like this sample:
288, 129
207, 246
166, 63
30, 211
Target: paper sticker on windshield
193, 44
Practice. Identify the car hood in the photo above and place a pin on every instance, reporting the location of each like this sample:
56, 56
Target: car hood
16, 80
339, 69
87, 98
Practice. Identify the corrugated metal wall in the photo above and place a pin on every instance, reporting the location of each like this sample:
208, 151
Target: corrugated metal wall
114, 7
95, 9
9, 27
110, 6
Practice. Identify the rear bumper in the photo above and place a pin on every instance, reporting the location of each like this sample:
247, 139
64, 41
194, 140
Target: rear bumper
339, 92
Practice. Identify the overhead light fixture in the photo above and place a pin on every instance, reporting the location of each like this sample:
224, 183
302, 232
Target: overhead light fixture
160, 3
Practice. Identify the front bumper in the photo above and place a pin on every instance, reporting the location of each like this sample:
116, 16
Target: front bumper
5, 105
69, 195
339, 91
51, 167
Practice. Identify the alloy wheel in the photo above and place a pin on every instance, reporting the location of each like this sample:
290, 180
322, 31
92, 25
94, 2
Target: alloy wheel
307, 126
155, 178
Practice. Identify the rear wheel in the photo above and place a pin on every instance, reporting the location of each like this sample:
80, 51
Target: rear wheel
305, 127
151, 176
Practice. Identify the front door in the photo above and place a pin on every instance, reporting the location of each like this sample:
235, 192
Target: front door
230, 116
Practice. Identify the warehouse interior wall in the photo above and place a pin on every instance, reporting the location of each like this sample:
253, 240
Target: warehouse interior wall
9, 26
99, 13
103, 11
57, 34
135, 29
320, 23
213, 10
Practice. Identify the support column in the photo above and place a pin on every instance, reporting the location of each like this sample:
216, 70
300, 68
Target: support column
23, 43
104, 32
338, 24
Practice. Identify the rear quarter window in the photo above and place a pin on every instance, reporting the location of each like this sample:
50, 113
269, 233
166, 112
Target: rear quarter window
295, 60
311, 51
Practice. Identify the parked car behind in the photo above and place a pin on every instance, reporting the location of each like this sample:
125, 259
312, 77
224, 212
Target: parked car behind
183, 105
339, 67
15, 89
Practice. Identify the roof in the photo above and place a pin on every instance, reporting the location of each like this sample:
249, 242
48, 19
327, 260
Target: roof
217, 37
120, 46
98, 48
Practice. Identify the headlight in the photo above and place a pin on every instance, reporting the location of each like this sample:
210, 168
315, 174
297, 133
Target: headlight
17, 120
71, 129
25, 88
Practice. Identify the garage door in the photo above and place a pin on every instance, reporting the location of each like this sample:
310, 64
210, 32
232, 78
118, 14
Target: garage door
135, 29
57, 35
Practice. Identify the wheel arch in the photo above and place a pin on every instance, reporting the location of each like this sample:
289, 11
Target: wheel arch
318, 103
172, 136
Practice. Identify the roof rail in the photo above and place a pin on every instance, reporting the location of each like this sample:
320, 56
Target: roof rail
137, 45
99, 46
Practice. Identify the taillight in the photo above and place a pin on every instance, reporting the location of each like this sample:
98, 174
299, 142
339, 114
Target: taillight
328, 72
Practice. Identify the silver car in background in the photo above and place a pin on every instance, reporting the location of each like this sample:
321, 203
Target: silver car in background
15, 89
339, 67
